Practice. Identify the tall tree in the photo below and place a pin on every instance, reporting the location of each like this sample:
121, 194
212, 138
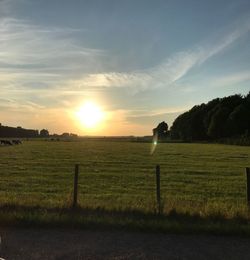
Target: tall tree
161, 131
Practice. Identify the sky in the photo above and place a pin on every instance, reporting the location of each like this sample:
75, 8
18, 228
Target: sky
141, 62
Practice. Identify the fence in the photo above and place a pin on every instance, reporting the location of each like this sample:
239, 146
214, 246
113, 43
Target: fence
116, 175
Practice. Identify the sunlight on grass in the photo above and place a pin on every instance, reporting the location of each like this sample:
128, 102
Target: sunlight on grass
198, 179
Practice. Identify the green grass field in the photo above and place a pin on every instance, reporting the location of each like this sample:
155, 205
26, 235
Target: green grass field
204, 180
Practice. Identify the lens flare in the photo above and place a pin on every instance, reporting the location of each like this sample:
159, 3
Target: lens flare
154, 143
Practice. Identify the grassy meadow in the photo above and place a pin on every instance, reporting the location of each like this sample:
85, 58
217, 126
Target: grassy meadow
197, 180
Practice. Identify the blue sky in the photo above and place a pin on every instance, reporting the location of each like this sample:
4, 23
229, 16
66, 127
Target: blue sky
142, 62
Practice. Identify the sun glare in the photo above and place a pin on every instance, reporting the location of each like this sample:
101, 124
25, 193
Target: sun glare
90, 114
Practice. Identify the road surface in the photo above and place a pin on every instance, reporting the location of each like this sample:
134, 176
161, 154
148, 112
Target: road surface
23, 243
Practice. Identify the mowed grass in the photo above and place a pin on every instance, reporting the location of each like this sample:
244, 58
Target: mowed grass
204, 180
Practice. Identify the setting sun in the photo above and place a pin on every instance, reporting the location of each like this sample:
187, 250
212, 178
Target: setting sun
90, 114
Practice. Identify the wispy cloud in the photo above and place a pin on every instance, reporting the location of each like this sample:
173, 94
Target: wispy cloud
17, 105
25, 44
35, 57
232, 79
35, 54
35, 63
152, 120
168, 72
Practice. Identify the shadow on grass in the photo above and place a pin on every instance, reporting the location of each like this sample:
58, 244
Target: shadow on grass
128, 219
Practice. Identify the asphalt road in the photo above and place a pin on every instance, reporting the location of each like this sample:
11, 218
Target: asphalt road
85, 244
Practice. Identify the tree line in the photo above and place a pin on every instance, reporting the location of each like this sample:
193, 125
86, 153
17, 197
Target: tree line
226, 117
7, 131
20, 132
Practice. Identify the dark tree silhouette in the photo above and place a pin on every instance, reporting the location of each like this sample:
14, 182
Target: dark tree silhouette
217, 127
7, 131
65, 135
238, 120
161, 131
219, 118
44, 133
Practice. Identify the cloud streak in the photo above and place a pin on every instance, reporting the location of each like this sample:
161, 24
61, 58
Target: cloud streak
37, 61
232, 79
35, 57
168, 72
34, 54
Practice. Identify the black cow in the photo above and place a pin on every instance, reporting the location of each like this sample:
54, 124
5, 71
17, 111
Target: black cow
5, 142
16, 142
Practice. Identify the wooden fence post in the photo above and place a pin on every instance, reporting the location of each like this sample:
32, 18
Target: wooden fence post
158, 188
74, 205
248, 184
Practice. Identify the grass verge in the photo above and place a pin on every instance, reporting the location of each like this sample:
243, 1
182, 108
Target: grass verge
130, 220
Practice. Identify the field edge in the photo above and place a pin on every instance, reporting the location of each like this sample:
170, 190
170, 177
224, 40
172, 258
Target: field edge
129, 220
